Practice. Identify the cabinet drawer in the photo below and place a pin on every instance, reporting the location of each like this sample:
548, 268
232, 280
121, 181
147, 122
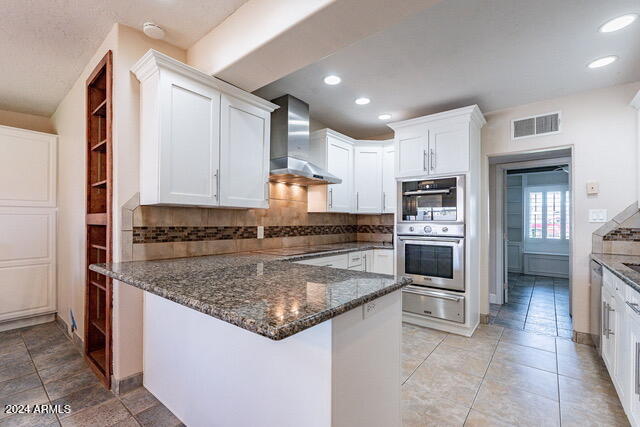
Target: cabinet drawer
355, 259
611, 281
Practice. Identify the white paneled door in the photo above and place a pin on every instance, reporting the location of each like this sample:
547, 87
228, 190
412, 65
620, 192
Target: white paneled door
340, 164
27, 224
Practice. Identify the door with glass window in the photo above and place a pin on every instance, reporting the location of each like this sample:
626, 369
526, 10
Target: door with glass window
547, 227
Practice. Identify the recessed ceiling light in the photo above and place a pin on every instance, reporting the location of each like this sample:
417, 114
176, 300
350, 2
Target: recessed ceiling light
601, 62
384, 116
618, 23
332, 80
363, 101
152, 30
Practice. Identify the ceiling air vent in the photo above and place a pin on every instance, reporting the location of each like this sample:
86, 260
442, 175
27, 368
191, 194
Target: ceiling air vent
535, 126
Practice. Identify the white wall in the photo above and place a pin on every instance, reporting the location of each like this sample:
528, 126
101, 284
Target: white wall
127, 45
600, 126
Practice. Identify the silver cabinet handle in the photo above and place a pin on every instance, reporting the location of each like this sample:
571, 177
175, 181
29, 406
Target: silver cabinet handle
432, 159
266, 190
433, 294
365, 262
424, 160
635, 307
609, 311
604, 318
383, 202
637, 388
217, 184
357, 201
331, 197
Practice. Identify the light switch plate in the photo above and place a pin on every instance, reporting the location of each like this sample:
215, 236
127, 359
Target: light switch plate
593, 188
368, 309
597, 215
261, 232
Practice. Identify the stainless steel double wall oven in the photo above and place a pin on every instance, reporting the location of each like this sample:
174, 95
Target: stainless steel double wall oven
431, 233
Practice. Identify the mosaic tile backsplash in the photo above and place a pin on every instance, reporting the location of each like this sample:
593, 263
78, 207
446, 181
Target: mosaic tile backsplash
168, 232
161, 234
623, 234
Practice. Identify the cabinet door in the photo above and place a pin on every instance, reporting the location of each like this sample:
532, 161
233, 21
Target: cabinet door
190, 142
411, 152
388, 180
369, 261
383, 261
449, 149
368, 179
340, 164
633, 401
244, 154
609, 331
622, 352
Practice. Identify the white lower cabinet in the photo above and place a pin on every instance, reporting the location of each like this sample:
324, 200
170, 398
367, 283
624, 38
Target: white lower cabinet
621, 341
372, 260
383, 261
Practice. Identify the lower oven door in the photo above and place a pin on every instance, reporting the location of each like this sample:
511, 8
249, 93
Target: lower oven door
441, 305
436, 262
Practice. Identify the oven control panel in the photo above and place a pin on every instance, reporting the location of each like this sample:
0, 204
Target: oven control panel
430, 229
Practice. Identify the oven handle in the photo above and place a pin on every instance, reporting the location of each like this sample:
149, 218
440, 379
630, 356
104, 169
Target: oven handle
425, 192
429, 239
440, 295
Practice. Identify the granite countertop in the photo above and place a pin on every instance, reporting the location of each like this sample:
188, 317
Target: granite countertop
263, 292
615, 263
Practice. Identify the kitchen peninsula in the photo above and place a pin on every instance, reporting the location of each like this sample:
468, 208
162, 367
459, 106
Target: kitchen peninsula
299, 344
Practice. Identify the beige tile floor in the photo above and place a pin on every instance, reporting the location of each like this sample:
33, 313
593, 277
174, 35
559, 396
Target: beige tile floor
504, 377
497, 377
40, 365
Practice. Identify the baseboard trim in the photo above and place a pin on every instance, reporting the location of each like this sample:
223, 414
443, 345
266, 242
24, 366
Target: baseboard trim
484, 319
126, 384
27, 321
582, 338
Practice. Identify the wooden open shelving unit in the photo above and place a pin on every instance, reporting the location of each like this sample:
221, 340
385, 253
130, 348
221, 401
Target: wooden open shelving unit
98, 291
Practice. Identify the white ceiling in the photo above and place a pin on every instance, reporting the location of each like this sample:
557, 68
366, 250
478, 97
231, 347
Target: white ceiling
44, 44
496, 53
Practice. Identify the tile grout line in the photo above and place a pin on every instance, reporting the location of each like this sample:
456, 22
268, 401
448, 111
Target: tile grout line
40, 378
475, 396
555, 343
420, 364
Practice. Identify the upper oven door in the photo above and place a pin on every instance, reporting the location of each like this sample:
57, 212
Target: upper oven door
437, 200
433, 262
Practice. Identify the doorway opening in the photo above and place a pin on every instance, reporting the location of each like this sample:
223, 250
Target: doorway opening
531, 228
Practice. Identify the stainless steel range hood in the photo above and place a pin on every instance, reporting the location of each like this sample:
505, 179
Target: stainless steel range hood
290, 147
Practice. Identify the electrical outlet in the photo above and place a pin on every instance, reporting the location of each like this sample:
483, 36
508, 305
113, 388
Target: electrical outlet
593, 188
261, 232
597, 215
260, 269
368, 309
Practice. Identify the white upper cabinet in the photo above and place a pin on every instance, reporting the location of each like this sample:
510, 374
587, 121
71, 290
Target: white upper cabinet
203, 142
340, 164
368, 179
332, 151
244, 154
436, 144
449, 149
388, 178
189, 141
411, 152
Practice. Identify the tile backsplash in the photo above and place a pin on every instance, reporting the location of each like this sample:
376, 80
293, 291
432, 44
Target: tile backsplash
621, 235
169, 232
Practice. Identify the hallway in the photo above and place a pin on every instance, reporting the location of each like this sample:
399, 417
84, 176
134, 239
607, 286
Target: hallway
535, 304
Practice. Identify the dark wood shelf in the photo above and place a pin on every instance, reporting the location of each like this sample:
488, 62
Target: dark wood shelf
100, 146
99, 231
97, 285
100, 110
96, 219
100, 325
98, 357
